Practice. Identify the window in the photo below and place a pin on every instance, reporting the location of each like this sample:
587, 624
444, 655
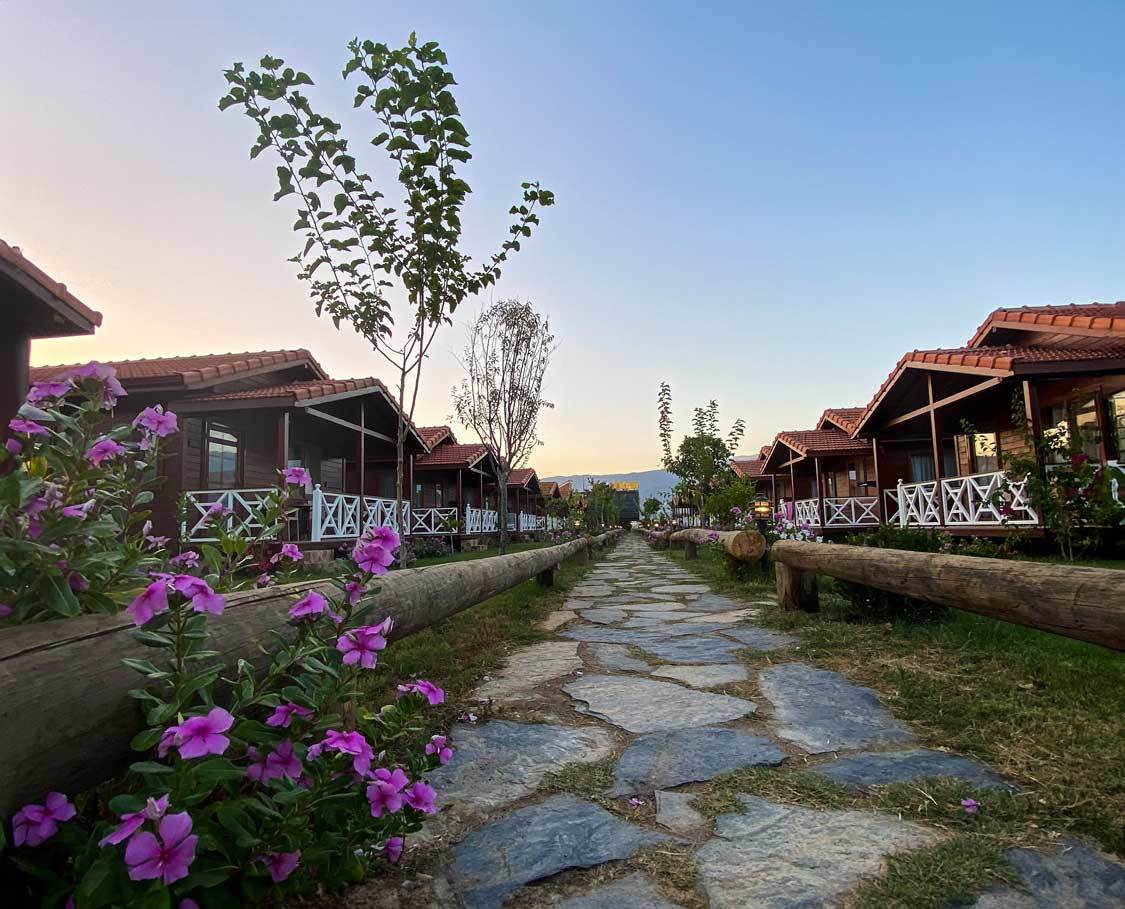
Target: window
922, 468
984, 455
223, 453
1115, 405
830, 485
1075, 424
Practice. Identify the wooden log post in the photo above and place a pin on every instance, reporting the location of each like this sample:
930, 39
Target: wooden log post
796, 589
546, 578
691, 550
1077, 602
64, 705
741, 545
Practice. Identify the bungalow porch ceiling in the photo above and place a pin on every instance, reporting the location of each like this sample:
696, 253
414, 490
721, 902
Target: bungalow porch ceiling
457, 475
524, 490
812, 463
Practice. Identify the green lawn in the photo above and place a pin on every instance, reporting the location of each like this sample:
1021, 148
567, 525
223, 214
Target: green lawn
1043, 709
476, 554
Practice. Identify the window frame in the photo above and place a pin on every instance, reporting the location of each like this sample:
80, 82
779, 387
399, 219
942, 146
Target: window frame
210, 425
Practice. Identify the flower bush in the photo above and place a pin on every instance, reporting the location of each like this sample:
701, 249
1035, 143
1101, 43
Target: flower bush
74, 496
785, 529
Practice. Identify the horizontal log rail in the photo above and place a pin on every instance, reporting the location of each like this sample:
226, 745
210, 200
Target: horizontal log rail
740, 545
65, 711
1083, 603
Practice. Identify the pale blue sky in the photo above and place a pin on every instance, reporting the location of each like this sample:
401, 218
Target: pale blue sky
761, 203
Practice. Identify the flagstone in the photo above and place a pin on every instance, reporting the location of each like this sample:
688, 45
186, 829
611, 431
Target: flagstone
529, 667
637, 891
704, 676
664, 760
646, 705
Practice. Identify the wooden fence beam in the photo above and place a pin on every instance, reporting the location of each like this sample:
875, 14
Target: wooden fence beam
65, 712
742, 545
1077, 602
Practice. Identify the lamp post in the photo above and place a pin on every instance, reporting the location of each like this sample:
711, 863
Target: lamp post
761, 509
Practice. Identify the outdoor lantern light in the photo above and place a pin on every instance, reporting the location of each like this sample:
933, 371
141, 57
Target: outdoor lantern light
761, 508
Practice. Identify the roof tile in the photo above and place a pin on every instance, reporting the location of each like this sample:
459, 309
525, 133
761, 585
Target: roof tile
15, 257
1107, 317
451, 456
195, 369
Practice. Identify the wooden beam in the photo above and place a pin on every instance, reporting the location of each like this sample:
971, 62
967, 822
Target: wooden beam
347, 424
952, 399
935, 439
742, 545
819, 492
1083, 603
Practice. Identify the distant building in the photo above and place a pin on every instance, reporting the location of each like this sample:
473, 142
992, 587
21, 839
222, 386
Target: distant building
627, 497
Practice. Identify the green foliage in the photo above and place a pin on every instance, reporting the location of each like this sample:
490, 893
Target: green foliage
650, 508
734, 493
596, 507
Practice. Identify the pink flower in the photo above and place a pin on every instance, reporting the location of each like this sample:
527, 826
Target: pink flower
188, 903
264, 580
428, 690
359, 645
198, 736
420, 797
970, 805
99, 372
309, 606
713, 536
14, 446
104, 450
130, 823
354, 590
187, 558
34, 824
53, 388
256, 769
735, 510
374, 551
78, 583
392, 849
5, 610
283, 714
203, 598
282, 762
350, 743
468, 718
436, 745
384, 794
166, 858
153, 601
27, 427
288, 551
157, 421
280, 864
1079, 458
218, 509
80, 511
297, 476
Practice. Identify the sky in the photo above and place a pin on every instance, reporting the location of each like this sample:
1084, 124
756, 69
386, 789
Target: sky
762, 203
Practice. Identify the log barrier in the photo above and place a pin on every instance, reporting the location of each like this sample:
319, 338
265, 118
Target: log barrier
65, 711
740, 545
1070, 600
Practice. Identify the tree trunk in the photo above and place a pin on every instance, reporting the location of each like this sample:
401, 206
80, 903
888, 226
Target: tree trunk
743, 545
1083, 603
400, 459
70, 670
502, 481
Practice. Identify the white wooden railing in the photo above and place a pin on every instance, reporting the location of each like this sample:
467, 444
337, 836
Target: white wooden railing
432, 521
806, 512
481, 520
977, 500
890, 506
240, 507
851, 511
919, 504
343, 516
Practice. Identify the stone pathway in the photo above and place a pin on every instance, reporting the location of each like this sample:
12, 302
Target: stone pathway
643, 677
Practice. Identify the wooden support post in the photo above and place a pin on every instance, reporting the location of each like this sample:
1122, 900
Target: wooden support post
546, 578
796, 589
935, 440
819, 492
691, 550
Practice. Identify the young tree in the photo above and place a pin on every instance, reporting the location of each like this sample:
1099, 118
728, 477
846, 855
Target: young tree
650, 508
505, 359
702, 460
358, 249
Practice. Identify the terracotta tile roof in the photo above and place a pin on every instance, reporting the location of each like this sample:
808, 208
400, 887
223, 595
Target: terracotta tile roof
549, 488
291, 393
451, 456
1100, 317
521, 476
998, 361
565, 490
433, 435
814, 442
200, 369
15, 258
843, 417
749, 468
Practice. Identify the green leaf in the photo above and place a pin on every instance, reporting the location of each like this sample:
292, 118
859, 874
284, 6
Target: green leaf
209, 878
150, 767
125, 803
217, 770
60, 598
147, 739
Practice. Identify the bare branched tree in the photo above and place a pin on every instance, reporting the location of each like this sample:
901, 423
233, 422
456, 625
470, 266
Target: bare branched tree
506, 356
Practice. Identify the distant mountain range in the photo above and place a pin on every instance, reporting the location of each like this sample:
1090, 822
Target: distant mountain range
656, 483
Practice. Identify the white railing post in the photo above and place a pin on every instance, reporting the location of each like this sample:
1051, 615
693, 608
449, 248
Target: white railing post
901, 504
317, 509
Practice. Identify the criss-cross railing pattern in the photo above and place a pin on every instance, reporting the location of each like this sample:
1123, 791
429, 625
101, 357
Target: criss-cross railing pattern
919, 505
986, 498
240, 508
851, 511
806, 512
430, 521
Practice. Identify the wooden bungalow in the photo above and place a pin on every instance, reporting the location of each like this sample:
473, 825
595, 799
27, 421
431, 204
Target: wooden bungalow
244, 416
944, 426
32, 305
525, 501
754, 469
454, 486
824, 477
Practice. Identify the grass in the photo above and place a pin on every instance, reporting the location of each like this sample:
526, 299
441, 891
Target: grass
1042, 709
589, 781
477, 554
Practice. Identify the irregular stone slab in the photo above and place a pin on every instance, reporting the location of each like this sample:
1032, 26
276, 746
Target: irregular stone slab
707, 649
666, 629
822, 711
637, 891
604, 616
657, 606
704, 676
665, 760
672, 615
538, 841
674, 811
727, 618
712, 602
761, 638
788, 857
500, 762
528, 667
681, 589
615, 656
592, 590
1075, 877
858, 771
645, 705
596, 634
557, 619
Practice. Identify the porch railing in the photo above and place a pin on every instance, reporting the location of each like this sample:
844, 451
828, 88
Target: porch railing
806, 512
241, 507
343, 516
481, 520
432, 521
977, 500
851, 511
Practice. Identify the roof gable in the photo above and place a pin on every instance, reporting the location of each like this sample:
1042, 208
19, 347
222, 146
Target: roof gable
37, 302
1080, 325
452, 456
437, 435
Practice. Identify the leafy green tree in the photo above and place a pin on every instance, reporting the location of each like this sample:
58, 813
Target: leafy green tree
650, 508
736, 493
360, 251
701, 460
